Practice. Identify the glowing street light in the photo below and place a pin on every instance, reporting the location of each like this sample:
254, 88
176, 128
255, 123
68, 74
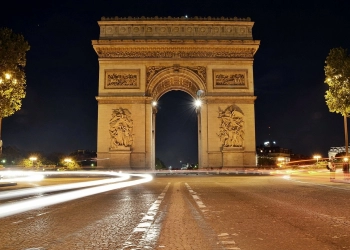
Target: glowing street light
67, 160
198, 103
317, 157
33, 159
280, 160
8, 79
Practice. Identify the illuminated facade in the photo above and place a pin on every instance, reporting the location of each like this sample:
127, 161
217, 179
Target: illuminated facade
140, 59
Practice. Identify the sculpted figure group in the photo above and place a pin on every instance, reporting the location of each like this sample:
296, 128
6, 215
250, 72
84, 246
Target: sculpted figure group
231, 128
121, 126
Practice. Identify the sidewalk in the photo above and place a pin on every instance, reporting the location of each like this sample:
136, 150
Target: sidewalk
7, 184
315, 175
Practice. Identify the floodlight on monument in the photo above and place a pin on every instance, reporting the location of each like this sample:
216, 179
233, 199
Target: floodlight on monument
200, 93
154, 103
197, 103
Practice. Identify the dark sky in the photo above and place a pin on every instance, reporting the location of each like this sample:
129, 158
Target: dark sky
59, 113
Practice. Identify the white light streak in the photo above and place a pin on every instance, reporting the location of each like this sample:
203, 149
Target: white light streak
53, 188
286, 177
35, 203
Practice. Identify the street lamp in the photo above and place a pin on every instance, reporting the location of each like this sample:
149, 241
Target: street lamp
8, 79
197, 103
33, 158
67, 160
317, 157
281, 160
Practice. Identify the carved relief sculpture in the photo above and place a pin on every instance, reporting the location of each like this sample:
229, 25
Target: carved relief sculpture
200, 71
152, 71
120, 129
231, 127
175, 52
230, 79
116, 79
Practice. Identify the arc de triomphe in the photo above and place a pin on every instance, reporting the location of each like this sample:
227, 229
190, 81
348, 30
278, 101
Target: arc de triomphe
140, 59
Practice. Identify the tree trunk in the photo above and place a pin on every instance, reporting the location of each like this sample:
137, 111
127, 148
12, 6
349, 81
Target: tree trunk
346, 134
0, 138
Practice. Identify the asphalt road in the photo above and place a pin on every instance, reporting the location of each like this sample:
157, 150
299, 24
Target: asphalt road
203, 212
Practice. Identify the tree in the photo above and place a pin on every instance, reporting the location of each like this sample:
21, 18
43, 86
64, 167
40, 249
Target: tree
337, 73
13, 50
160, 164
70, 164
31, 163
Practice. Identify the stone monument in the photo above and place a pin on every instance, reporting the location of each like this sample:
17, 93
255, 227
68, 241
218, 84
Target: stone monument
142, 58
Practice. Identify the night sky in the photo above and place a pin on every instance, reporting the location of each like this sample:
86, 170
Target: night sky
59, 113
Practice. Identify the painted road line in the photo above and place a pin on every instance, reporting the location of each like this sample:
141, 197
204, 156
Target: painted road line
143, 228
225, 239
197, 199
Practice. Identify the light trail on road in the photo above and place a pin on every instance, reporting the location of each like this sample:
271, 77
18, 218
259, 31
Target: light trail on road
46, 189
37, 202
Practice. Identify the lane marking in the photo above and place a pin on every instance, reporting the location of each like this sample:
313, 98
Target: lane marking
142, 231
196, 198
316, 184
224, 238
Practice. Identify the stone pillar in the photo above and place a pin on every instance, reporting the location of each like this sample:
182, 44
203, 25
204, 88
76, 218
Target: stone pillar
120, 158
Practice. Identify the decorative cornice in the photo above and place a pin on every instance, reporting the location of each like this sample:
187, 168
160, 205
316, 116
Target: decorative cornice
232, 99
203, 41
169, 18
170, 27
175, 52
124, 99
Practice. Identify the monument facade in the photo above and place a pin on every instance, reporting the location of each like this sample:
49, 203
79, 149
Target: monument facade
140, 59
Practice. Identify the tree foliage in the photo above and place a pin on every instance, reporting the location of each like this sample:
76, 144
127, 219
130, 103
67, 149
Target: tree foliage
160, 164
13, 50
28, 163
70, 164
337, 76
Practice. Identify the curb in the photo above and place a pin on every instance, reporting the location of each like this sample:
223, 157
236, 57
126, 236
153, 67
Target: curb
6, 184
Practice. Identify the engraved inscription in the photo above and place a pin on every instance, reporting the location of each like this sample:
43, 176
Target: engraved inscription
229, 79
122, 79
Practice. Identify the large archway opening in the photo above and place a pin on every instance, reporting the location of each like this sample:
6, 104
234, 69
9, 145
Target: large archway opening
176, 131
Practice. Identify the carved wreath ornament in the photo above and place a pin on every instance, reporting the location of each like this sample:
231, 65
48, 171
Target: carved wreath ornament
121, 128
231, 127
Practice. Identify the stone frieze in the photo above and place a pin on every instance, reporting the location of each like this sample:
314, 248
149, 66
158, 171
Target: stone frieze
125, 78
230, 79
231, 131
223, 31
121, 129
174, 82
152, 71
171, 53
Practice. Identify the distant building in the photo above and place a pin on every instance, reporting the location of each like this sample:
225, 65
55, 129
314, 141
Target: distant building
85, 158
269, 154
336, 151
